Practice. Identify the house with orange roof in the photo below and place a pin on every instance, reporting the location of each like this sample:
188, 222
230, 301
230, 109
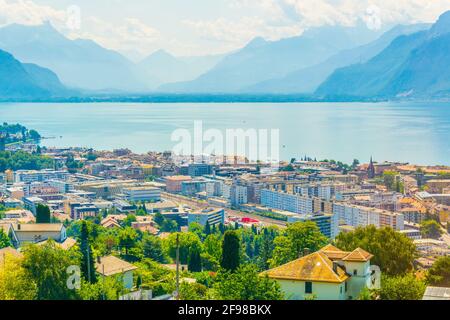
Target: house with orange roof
328, 274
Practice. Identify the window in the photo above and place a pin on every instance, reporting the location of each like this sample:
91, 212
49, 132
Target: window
308, 287
346, 287
355, 272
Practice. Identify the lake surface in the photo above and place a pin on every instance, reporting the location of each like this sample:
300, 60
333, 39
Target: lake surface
411, 132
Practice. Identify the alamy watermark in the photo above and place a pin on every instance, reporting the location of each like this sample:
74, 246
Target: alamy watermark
229, 146
73, 17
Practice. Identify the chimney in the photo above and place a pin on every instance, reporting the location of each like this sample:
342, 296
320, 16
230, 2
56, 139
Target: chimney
335, 267
305, 252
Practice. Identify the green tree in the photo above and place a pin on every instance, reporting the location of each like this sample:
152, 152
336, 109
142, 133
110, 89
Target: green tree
158, 218
129, 220
4, 240
430, 229
265, 246
439, 273
207, 230
298, 238
21, 160
246, 284
390, 179
127, 239
186, 241
393, 252
153, 248
406, 287
15, 282
195, 260
108, 288
193, 291
34, 135
47, 266
230, 251
43, 214
198, 229
87, 264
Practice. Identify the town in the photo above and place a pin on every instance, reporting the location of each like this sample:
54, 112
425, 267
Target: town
143, 226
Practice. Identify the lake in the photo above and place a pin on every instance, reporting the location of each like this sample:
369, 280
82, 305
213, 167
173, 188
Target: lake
410, 132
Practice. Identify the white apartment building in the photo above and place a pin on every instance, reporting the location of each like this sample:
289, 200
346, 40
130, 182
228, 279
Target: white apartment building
238, 195
29, 176
287, 202
356, 216
145, 194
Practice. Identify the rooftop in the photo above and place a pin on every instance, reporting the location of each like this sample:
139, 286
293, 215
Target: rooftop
314, 267
111, 265
437, 293
38, 227
319, 266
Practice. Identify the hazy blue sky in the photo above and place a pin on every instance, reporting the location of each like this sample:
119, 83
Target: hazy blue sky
198, 27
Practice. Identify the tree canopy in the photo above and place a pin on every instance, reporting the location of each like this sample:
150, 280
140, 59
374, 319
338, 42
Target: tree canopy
298, 239
393, 252
439, 273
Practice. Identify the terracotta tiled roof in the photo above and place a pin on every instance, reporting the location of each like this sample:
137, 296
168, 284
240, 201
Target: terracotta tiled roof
314, 267
38, 227
333, 253
111, 265
358, 255
65, 245
329, 247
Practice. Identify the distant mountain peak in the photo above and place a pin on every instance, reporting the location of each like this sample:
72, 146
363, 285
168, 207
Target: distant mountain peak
442, 26
256, 42
161, 52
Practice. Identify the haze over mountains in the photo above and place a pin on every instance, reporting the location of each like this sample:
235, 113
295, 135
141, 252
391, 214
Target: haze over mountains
262, 60
161, 67
307, 80
412, 65
327, 62
27, 81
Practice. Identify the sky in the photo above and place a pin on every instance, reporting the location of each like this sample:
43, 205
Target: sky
137, 28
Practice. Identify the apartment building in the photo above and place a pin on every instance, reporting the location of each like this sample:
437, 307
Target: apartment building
173, 183
287, 202
144, 194
356, 216
29, 176
327, 223
211, 216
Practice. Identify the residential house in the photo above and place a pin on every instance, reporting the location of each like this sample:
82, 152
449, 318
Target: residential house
35, 233
111, 266
328, 274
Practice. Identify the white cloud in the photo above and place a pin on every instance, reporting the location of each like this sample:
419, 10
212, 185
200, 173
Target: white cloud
231, 34
244, 20
374, 12
28, 13
275, 19
129, 35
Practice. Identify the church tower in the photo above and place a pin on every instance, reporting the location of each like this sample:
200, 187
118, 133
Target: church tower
371, 169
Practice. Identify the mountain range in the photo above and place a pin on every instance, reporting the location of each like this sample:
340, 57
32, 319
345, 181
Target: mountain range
27, 81
307, 80
324, 63
161, 67
415, 65
261, 60
78, 63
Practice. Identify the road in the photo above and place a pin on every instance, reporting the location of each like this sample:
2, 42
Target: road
199, 205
